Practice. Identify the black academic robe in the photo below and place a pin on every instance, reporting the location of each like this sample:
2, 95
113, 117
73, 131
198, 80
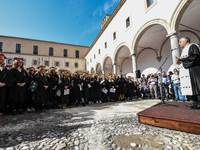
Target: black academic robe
92, 89
111, 83
193, 63
130, 89
3, 79
52, 82
29, 94
77, 94
18, 94
86, 90
61, 86
40, 95
97, 90
122, 86
104, 84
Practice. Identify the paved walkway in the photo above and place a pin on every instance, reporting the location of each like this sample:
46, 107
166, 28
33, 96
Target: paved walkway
112, 125
112, 108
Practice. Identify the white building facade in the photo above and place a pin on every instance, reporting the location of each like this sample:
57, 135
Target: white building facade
140, 34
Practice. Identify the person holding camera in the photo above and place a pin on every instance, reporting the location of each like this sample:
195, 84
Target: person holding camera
164, 85
153, 87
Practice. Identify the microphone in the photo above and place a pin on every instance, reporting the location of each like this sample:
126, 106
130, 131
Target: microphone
174, 48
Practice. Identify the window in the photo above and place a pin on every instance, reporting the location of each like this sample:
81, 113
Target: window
127, 22
1, 46
67, 64
90, 59
94, 56
77, 54
35, 62
105, 44
50, 51
57, 64
46, 63
114, 35
65, 52
18, 48
76, 65
149, 3
99, 51
9, 61
35, 50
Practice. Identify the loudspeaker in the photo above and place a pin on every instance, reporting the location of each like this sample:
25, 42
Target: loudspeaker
138, 74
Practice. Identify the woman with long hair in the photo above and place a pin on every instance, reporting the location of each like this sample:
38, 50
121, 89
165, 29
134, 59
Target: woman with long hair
122, 87
3, 83
97, 89
86, 89
77, 84
52, 78
40, 93
112, 89
29, 93
64, 86
18, 91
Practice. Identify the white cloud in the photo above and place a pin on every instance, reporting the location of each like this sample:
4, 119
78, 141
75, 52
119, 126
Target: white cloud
98, 12
110, 4
106, 8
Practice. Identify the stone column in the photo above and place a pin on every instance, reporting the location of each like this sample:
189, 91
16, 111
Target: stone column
174, 46
115, 68
103, 71
134, 65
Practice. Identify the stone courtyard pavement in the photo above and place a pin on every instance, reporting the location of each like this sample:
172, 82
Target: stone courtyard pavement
107, 126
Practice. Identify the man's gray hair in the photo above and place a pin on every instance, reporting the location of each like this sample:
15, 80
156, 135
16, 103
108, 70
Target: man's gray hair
186, 38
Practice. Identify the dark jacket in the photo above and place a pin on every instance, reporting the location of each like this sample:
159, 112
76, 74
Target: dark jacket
193, 63
40, 95
18, 94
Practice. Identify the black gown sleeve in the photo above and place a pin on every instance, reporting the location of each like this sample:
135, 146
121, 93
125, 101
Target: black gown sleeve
193, 57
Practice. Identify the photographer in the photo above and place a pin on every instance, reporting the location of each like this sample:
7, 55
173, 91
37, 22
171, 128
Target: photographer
153, 86
164, 85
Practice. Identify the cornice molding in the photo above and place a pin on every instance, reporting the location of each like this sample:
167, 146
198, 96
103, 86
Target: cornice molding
119, 6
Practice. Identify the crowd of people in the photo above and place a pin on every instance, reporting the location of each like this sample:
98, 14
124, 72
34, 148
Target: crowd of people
43, 89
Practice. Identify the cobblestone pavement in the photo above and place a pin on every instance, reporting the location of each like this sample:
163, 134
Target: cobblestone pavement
107, 126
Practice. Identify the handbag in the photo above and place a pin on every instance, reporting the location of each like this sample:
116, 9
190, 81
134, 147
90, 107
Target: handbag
58, 92
33, 86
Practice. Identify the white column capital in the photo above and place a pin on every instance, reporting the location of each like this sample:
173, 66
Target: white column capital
172, 33
133, 54
114, 64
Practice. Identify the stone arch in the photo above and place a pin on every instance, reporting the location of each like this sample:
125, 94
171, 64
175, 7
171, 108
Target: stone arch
92, 70
144, 28
117, 50
149, 48
107, 68
96, 67
178, 13
105, 58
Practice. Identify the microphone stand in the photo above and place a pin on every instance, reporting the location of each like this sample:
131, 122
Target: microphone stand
162, 84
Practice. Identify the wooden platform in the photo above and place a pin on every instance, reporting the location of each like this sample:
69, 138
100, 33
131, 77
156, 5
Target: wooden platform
179, 118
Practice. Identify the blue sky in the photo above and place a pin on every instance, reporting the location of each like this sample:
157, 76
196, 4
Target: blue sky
64, 21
